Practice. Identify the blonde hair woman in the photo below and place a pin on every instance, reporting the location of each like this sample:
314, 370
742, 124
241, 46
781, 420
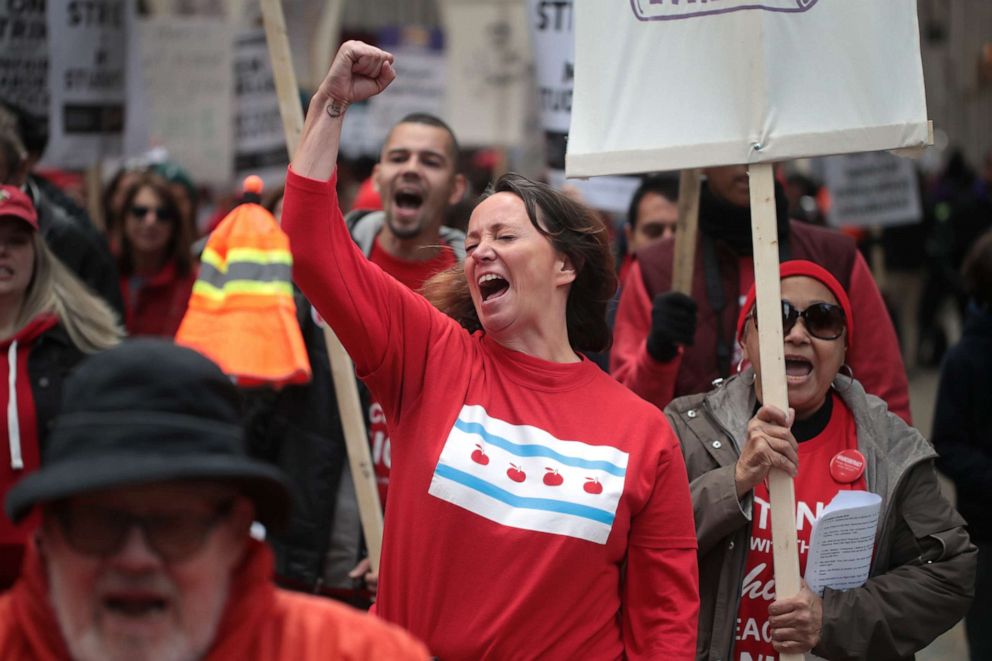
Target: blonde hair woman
49, 321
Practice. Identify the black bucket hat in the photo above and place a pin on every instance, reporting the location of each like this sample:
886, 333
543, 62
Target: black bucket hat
149, 411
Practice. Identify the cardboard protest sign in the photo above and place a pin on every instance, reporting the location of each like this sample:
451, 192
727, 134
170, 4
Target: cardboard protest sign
694, 84
489, 78
877, 189
180, 93
87, 76
259, 142
552, 32
24, 55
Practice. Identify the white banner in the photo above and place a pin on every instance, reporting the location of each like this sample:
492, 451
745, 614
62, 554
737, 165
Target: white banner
551, 27
490, 79
876, 189
87, 82
24, 55
183, 93
260, 143
667, 85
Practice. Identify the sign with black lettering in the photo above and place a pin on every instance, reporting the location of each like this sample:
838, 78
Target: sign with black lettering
259, 140
24, 55
553, 35
875, 189
87, 81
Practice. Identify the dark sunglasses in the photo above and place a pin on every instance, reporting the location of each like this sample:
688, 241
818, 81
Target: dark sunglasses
823, 321
161, 214
102, 532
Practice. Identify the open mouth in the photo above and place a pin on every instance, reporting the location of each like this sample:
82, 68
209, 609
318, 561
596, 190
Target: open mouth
408, 200
134, 606
492, 286
798, 367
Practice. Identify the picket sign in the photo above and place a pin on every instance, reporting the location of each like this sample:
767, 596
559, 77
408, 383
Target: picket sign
685, 231
342, 369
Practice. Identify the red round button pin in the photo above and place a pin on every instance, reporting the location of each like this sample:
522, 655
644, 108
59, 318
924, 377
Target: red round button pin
847, 466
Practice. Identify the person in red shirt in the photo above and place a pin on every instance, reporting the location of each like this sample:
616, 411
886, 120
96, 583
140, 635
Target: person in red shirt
321, 551
155, 262
833, 437
537, 508
668, 344
146, 498
652, 216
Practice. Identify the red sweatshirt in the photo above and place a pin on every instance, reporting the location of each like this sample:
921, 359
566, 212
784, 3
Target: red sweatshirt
519, 487
875, 357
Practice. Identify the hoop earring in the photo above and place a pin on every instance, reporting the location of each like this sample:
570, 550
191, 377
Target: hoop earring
849, 374
740, 364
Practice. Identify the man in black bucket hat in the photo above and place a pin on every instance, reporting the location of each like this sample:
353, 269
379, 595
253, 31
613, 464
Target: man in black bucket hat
147, 497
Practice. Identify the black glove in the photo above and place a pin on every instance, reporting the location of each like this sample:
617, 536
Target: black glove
673, 322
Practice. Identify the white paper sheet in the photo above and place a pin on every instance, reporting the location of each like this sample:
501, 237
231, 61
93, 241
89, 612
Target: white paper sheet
842, 541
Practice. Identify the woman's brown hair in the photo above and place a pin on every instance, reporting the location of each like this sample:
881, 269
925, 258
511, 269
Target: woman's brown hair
178, 250
574, 230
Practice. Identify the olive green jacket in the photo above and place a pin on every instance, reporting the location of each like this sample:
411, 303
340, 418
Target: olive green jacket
923, 572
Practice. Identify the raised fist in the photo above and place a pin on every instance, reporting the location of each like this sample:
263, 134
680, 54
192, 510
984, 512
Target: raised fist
359, 71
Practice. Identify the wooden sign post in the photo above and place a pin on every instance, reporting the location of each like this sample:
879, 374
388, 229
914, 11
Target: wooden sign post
342, 370
685, 231
774, 391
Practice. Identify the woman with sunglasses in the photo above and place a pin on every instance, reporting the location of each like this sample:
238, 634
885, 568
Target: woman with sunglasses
155, 262
834, 437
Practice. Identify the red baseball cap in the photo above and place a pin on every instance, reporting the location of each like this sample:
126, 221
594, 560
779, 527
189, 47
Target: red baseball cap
15, 202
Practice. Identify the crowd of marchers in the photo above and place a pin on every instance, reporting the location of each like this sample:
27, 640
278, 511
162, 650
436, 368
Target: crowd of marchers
573, 458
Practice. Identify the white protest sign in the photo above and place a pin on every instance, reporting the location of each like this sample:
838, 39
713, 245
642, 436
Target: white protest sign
24, 55
551, 27
876, 189
489, 77
695, 84
87, 76
185, 82
260, 144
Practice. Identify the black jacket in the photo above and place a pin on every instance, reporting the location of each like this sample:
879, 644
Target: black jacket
78, 245
299, 430
962, 423
52, 359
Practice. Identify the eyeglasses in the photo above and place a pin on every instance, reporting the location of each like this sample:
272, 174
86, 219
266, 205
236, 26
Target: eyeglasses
101, 531
162, 214
823, 321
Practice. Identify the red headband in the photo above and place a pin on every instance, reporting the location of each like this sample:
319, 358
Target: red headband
809, 269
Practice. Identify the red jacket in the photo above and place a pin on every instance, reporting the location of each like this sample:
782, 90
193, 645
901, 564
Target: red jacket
874, 358
261, 622
158, 305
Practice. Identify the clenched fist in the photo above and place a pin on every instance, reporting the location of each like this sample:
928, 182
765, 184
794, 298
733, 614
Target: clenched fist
359, 71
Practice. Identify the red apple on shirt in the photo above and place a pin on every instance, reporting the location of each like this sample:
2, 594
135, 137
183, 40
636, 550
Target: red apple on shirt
592, 486
553, 478
515, 474
480, 456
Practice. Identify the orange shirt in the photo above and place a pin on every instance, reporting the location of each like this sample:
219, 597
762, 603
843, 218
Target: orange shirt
260, 623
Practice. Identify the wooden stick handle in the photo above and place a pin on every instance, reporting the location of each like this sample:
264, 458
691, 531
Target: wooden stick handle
342, 370
774, 390
686, 230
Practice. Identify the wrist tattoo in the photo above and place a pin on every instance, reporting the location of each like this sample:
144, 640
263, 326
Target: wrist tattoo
336, 108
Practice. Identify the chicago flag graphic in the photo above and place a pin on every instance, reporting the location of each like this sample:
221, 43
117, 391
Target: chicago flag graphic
523, 477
